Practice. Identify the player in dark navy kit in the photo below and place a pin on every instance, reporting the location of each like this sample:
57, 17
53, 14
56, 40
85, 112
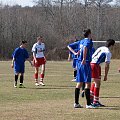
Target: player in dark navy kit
102, 54
83, 67
20, 55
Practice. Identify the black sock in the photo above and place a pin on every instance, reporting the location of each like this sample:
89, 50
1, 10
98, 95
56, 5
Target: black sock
21, 78
77, 92
75, 73
16, 78
87, 93
83, 86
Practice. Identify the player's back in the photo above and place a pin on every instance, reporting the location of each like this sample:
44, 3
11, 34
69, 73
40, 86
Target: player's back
102, 54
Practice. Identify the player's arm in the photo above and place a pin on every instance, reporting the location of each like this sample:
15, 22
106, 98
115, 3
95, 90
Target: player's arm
69, 56
107, 64
12, 64
44, 53
29, 60
84, 55
106, 70
72, 50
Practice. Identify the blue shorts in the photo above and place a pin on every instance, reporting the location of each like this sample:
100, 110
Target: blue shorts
83, 72
74, 64
19, 68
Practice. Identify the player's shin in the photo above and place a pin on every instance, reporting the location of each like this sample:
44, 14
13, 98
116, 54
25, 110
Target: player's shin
87, 93
77, 92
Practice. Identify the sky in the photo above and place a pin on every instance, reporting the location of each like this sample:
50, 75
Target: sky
23, 3
19, 2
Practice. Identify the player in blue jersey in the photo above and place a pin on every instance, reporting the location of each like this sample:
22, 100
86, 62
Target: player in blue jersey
83, 86
102, 54
83, 67
74, 62
20, 55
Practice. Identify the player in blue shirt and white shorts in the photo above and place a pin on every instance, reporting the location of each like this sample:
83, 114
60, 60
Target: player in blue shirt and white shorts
20, 55
83, 67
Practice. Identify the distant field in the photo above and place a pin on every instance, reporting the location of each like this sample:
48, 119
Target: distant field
55, 100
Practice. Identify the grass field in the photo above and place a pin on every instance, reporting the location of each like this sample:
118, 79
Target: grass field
55, 100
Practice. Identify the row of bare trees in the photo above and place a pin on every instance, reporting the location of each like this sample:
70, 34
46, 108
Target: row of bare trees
58, 21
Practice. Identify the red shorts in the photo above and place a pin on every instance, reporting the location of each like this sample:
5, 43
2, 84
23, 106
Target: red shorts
96, 71
40, 61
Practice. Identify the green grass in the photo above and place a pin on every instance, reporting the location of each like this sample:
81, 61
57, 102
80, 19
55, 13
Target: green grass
55, 100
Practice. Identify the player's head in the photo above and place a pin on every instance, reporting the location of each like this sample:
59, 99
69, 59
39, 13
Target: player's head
87, 33
39, 39
23, 43
110, 42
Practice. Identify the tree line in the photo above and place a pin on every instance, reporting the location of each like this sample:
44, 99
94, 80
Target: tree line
58, 23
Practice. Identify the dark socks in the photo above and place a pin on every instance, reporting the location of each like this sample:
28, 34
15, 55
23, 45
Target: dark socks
75, 73
16, 78
87, 93
21, 79
83, 86
77, 92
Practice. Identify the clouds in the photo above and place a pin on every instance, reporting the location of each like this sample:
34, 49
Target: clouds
19, 2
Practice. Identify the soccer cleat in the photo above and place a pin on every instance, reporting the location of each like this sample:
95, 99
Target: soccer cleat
91, 106
21, 86
77, 105
15, 85
74, 80
36, 84
41, 83
99, 104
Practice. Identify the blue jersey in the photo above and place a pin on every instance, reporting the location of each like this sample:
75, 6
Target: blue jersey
80, 45
20, 55
74, 56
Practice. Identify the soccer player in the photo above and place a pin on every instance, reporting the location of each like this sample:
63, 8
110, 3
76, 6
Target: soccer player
39, 60
83, 86
74, 60
102, 54
20, 55
83, 67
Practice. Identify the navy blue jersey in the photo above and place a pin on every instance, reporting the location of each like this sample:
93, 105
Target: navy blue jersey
20, 55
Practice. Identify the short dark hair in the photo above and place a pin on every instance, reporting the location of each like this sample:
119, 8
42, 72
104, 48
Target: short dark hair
39, 37
23, 42
110, 42
86, 32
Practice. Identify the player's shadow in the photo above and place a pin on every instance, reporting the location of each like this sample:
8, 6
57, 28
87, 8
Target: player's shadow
110, 107
111, 97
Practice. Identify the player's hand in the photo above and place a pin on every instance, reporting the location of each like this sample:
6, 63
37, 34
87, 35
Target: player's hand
12, 65
45, 60
77, 53
69, 59
119, 70
35, 61
83, 62
105, 78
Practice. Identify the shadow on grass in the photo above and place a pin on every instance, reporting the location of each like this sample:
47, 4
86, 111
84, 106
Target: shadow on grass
111, 97
110, 107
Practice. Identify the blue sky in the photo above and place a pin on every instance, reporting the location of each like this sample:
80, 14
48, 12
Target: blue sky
19, 2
